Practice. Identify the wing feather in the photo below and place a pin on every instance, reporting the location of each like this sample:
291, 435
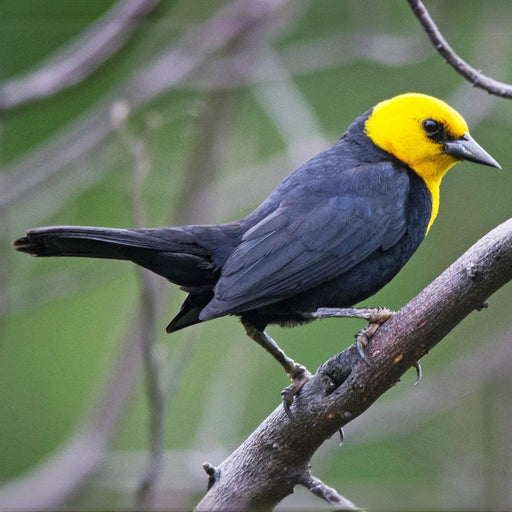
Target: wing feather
300, 246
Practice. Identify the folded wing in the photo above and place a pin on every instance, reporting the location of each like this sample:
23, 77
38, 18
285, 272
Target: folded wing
300, 246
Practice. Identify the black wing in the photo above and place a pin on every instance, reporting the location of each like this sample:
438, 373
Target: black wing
315, 235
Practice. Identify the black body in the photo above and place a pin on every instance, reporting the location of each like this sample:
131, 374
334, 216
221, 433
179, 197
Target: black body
330, 235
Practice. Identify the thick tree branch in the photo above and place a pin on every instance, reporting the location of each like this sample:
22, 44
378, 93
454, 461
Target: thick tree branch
477, 78
275, 458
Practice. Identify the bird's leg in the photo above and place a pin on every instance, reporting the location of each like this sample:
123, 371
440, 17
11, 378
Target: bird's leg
375, 316
372, 315
298, 373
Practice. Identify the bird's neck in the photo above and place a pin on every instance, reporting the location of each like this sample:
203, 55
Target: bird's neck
432, 174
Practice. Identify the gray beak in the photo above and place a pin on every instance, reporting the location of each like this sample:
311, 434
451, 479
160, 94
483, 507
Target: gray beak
466, 148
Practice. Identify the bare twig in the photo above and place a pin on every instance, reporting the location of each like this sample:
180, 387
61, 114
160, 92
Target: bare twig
81, 58
326, 493
477, 78
492, 47
344, 386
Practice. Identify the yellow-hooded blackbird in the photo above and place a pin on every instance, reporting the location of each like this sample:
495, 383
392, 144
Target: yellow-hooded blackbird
330, 235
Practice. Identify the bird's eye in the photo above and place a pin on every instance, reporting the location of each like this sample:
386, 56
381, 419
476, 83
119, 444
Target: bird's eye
431, 126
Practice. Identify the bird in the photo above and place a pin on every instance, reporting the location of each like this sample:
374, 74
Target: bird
329, 236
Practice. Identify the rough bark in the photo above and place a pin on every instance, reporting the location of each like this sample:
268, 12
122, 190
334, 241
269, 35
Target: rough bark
276, 456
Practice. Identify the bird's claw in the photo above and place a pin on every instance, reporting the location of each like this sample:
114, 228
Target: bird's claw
419, 373
299, 376
342, 435
377, 317
380, 315
362, 344
362, 339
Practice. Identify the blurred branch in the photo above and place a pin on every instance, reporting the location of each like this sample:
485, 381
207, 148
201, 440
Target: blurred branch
238, 18
204, 164
81, 58
477, 78
243, 68
345, 386
147, 309
156, 400
212, 129
251, 67
46, 163
53, 480
289, 110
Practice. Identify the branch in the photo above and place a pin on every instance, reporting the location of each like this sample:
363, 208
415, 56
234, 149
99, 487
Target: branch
276, 457
81, 58
477, 78
326, 493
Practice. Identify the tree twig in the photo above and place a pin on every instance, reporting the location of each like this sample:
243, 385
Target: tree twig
81, 58
476, 77
275, 458
326, 493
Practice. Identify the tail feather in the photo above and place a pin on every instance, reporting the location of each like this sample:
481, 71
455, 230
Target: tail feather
189, 311
189, 256
104, 242
170, 252
74, 241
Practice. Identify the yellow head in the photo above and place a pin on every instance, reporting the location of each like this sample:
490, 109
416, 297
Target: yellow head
427, 134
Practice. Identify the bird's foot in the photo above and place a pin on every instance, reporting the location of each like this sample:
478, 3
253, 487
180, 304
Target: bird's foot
299, 376
376, 317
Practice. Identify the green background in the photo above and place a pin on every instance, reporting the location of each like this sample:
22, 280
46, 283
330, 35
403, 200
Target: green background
217, 145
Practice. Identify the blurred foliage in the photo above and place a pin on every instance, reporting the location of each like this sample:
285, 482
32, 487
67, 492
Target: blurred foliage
63, 321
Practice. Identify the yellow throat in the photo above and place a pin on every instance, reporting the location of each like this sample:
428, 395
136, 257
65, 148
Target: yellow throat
395, 125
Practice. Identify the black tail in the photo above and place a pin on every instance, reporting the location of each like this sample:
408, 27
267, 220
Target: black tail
183, 255
188, 256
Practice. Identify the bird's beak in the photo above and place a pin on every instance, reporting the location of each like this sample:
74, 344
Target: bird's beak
466, 148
